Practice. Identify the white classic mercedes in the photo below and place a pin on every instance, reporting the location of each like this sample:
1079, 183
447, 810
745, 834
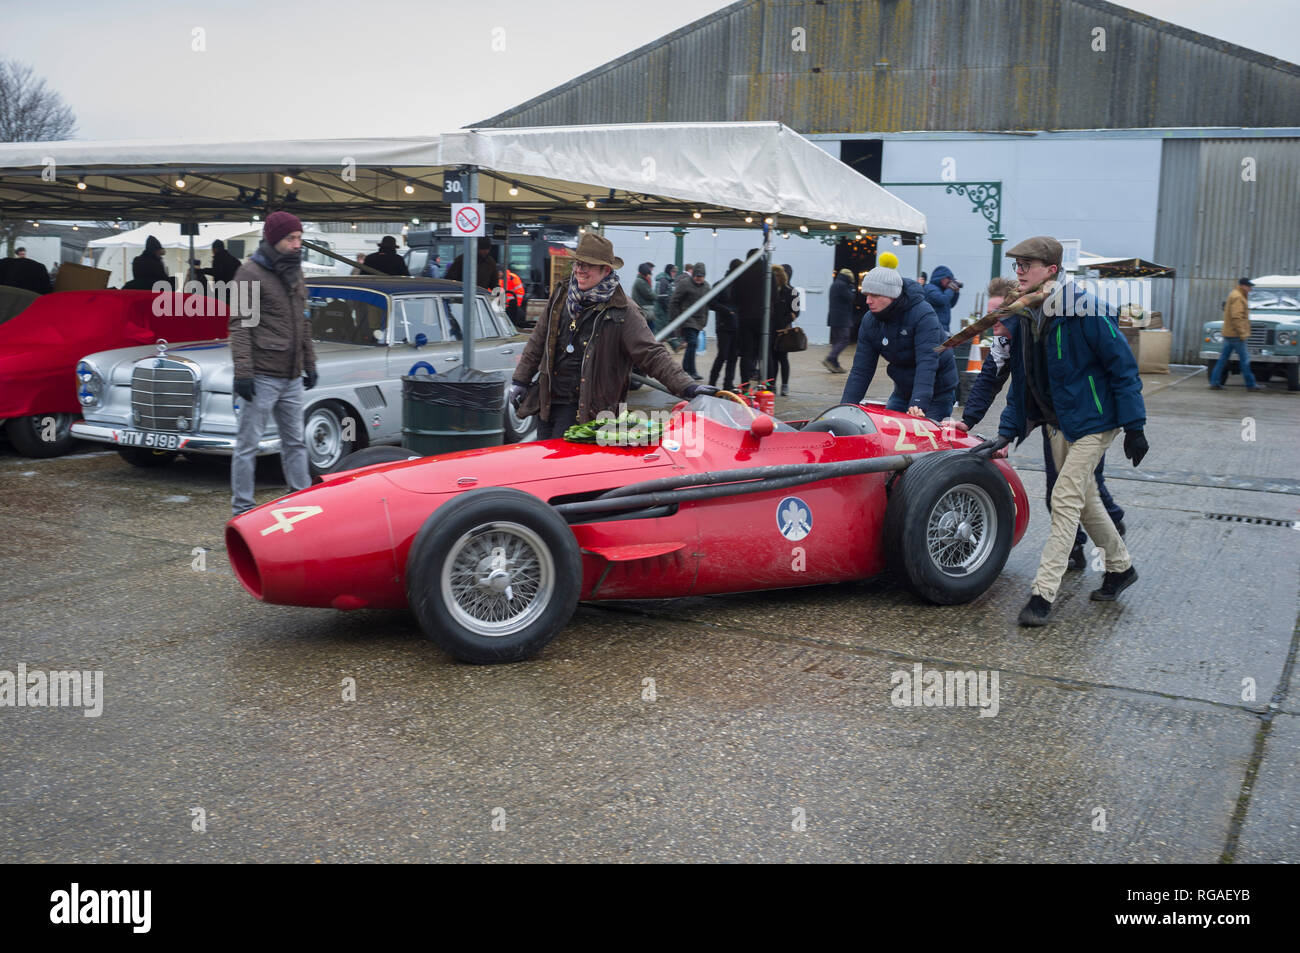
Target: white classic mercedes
155, 401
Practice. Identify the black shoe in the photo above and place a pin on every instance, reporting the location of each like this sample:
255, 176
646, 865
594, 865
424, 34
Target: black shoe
1113, 583
1035, 612
1077, 559
1119, 527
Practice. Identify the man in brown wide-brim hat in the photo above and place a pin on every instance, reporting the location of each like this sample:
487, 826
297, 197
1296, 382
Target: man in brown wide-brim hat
584, 349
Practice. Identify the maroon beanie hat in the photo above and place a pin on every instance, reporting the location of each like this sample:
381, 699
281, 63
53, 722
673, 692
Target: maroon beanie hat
279, 224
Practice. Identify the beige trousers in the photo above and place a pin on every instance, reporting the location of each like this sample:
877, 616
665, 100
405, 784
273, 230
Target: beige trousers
1075, 500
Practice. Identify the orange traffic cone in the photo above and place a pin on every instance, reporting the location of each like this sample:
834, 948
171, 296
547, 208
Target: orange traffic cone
975, 362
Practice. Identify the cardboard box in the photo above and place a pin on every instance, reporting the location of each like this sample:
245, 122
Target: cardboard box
1151, 348
74, 277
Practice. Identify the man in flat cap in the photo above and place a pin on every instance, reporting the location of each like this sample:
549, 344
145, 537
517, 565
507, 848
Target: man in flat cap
583, 349
1073, 373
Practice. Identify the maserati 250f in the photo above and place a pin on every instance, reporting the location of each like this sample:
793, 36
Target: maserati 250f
492, 549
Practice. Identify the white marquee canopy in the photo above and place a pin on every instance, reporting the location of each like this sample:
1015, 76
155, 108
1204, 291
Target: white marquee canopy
647, 174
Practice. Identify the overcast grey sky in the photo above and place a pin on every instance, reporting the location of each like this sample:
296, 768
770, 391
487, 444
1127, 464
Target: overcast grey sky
329, 69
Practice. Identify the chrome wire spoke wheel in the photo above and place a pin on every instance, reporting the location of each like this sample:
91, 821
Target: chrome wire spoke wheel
498, 578
961, 530
324, 438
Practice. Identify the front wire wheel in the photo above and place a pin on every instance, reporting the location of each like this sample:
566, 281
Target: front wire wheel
497, 579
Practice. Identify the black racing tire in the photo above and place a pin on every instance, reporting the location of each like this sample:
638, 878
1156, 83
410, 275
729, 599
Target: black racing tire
948, 526
516, 429
323, 432
371, 456
145, 458
448, 574
27, 434
1293, 377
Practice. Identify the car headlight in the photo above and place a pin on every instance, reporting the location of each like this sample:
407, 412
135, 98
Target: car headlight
90, 384
1287, 338
1216, 336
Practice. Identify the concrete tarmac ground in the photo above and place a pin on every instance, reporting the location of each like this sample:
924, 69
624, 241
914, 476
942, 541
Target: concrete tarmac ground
1164, 727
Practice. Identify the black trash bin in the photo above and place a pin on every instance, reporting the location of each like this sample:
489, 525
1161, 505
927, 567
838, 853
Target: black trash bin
459, 410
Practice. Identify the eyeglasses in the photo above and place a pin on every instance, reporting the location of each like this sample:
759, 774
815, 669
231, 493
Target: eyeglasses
1023, 266
585, 266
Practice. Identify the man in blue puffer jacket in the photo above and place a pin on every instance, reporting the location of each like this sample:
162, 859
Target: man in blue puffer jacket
1073, 373
902, 327
942, 291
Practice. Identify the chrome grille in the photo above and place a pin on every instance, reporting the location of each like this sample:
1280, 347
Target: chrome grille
162, 391
1261, 335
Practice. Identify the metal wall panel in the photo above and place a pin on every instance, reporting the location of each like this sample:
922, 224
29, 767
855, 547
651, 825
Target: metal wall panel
1214, 225
895, 65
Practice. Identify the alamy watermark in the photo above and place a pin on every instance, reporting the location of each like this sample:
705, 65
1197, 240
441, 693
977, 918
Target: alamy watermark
241, 299
932, 688
1086, 297
58, 689
629, 427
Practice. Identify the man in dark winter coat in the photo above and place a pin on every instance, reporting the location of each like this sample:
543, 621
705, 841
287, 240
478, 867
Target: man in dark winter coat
840, 318
942, 291
724, 332
903, 328
387, 260
224, 264
993, 375
690, 288
147, 268
747, 295
274, 358
1072, 372
27, 273
486, 275
585, 345
664, 282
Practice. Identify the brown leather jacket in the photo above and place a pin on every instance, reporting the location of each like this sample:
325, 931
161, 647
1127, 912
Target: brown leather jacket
620, 338
279, 345
1236, 315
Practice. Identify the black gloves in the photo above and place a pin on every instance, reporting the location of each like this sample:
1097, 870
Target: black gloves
308, 380
244, 387
1135, 446
990, 447
516, 393
699, 390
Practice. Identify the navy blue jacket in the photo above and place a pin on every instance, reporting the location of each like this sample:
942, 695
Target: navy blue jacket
840, 312
942, 300
1092, 373
906, 333
992, 378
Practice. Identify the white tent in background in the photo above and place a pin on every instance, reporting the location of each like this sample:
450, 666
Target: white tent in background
115, 253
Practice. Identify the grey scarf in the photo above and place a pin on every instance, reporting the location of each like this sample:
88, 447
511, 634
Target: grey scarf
286, 265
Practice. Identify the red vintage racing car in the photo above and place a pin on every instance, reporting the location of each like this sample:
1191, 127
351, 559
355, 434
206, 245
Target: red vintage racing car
493, 549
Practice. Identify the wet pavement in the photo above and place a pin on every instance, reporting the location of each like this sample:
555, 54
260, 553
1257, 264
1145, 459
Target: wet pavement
1164, 727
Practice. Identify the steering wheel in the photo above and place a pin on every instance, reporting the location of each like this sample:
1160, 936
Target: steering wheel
736, 398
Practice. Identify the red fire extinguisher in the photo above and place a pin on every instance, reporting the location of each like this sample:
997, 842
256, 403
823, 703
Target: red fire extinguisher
766, 402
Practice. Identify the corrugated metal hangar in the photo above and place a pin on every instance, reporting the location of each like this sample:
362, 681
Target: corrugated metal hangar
1076, 118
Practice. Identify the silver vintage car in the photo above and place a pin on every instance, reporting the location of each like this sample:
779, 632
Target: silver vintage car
156, 401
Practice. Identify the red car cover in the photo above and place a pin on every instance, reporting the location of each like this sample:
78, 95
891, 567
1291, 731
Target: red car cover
40, 348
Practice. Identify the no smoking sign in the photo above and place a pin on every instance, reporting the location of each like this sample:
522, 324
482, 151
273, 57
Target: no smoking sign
467, 219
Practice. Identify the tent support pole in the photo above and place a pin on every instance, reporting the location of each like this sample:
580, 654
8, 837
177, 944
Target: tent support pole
765, 342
